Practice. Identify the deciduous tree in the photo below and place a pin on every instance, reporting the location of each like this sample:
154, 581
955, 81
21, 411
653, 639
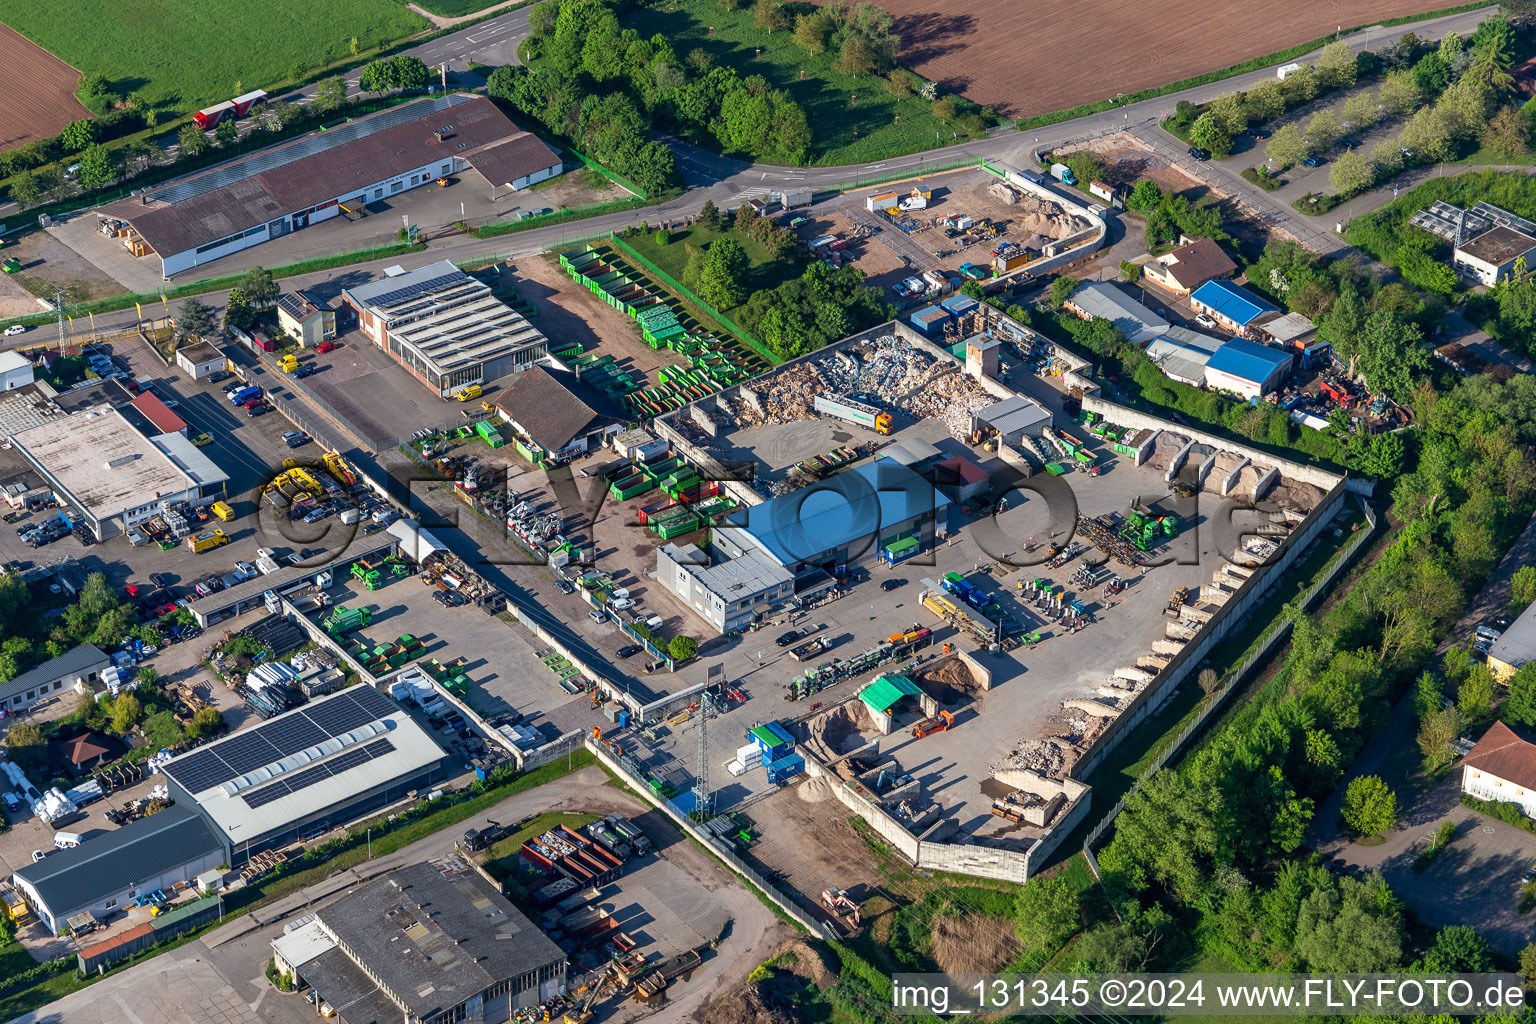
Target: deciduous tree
1399, 94
1350, 174
812, 31
330, 93
1207, 133
98, 167
1336, 66
1288, 146
1439, 729
1361, 111
1265, 101
1508, 134
1369, 807
193, 141
1046, 913
722, 274
1324, 130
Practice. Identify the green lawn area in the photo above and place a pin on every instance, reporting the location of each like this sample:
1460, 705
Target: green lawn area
852, 119
763, 275
177, 53
459, 8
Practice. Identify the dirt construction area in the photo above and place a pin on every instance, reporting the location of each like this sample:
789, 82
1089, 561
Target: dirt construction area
889, 254
1025, 59
39, 91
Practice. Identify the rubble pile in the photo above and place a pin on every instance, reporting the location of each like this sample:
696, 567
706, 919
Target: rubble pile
953, 398
1046, 757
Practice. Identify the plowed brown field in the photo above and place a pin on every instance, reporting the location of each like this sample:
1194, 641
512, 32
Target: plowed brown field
37, 91
1036, 56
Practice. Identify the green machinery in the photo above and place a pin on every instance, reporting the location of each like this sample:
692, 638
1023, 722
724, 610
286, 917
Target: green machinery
368, 574
344, 619
11, 265
451, 675
1147, 529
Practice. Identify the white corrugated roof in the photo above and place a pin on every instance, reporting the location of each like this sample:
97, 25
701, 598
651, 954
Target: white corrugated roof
190, 459
302, 945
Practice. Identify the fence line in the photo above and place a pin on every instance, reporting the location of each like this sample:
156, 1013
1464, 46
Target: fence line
903, 174
708, 309
1265, 647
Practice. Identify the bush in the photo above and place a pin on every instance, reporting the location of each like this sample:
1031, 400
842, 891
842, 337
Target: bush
1130, 271
682, 648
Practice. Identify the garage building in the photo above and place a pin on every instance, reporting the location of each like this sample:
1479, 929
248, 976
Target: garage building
191, 221
113, 476
200, 360
106, 873
445, 327
326, 763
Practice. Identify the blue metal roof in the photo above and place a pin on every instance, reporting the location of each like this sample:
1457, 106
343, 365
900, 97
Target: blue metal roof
845, 508
1236, 304
1248, 360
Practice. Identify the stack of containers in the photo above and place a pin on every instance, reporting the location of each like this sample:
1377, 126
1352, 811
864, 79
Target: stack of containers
747, 758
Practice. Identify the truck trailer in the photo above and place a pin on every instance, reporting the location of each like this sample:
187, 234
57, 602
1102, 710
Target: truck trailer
854, 412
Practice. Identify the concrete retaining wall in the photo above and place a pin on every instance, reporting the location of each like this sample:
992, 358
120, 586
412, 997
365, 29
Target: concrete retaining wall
1214, 631
1120, 415
633, 703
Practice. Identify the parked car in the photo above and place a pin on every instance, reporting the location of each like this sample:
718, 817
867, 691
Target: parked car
565, 586
597, 616
630, 650
787, 637
233, 386
218, 375
1199, 153
888, 585
325, 346
202, 439
14, 329
1314, 161
258, 410
1204, 320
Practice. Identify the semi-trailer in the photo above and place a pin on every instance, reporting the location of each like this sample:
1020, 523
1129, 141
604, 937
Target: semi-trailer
854, 412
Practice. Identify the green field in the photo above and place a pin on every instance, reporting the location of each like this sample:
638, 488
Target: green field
841, 133
187, 54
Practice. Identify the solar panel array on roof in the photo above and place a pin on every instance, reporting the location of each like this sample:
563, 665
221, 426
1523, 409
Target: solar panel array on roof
319, 142
1505, 219
281, 737
343, 762
401, 294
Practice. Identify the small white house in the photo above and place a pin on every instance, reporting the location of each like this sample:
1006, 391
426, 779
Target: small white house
1502, 768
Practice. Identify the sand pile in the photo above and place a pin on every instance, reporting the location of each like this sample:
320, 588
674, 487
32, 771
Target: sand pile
814, 790
1167, 445
949, 682
844, 728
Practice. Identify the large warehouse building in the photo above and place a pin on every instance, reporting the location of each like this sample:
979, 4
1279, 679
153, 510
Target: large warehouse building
843, 519
195, 220
104, 874
445, 327
431, 943
112, 475
326, 763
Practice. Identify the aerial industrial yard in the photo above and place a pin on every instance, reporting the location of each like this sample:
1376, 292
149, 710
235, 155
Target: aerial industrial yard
593, 576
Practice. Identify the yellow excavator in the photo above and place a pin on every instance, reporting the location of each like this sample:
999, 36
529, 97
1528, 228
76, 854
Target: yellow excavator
583, 1012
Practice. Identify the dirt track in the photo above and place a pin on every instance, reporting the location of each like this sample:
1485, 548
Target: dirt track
1026, 59
39, 91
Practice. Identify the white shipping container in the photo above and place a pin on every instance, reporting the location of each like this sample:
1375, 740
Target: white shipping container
1285, 70
735, 768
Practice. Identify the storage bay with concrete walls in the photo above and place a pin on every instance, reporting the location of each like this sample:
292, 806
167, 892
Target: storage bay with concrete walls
976, 756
